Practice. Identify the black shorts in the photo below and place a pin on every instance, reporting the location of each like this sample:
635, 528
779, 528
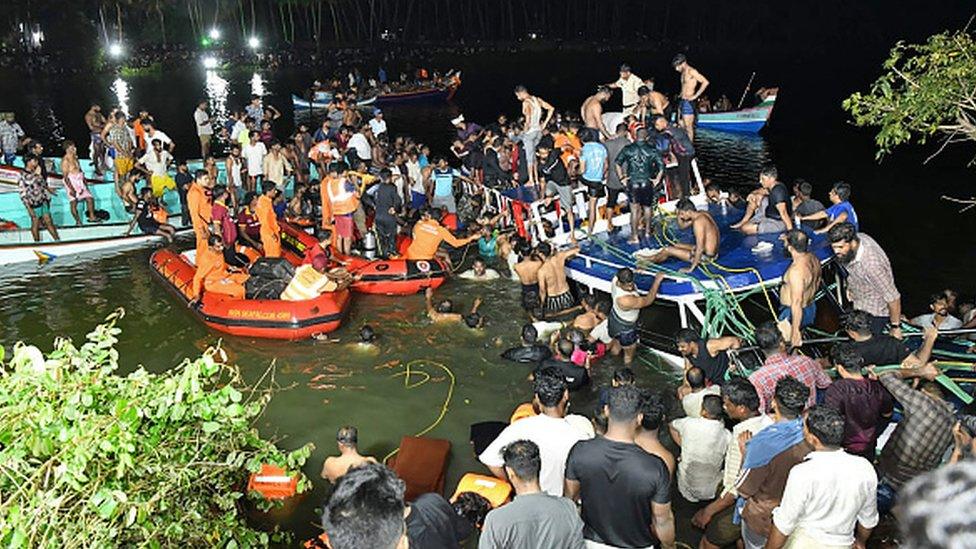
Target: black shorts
594, 189
644, 196
149, 226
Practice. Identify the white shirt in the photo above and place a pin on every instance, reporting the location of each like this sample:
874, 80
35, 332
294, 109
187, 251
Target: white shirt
378, 125
554, 436
703, 446
158, 134
235, 132
416, 176
359, 142
628, 89
202, 120
950, 323
733, 457
254, 153
156, 166
826, 494
692, 402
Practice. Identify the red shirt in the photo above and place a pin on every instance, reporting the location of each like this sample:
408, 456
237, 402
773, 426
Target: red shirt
228, 229
778, 366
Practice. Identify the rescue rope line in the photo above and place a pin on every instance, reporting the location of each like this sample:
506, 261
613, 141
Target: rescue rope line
409, 371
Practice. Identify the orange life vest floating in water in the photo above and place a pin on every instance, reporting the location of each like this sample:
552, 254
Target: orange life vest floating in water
273, 483
495, 490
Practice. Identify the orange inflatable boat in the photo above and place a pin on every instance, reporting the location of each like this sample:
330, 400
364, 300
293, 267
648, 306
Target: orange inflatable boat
262, 318
377, 276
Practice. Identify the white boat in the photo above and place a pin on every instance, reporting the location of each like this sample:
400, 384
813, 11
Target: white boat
18, 246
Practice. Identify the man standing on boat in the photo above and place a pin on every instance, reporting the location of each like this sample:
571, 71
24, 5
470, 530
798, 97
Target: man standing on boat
201, 118
798, 293
36, 196
200, 205
532, 108
592, 111
95, 121
769, 209
707, 237
693, 84
628, 84
642, 174
74, 184
681, 148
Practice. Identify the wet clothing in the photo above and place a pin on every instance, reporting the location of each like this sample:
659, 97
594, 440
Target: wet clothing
559, 303
810, 207
621, 323
270, 231
144, 217
881, 350
687, 107
530, 296
641, 163
594, 155
809, 314
386, 199
527, 354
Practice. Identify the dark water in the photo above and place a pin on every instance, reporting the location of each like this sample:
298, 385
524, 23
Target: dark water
930, 245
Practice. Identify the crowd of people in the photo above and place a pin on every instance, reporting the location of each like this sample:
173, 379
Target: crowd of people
780, 456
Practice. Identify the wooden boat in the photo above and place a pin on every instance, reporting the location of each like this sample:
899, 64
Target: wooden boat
302, 103
750, 120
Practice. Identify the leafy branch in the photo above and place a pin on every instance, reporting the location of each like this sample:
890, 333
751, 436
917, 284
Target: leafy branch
142, 460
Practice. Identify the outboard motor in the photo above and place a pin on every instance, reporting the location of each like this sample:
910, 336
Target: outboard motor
369, 245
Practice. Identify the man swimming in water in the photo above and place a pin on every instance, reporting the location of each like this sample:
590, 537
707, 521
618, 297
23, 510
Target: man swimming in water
527, 271
797, 295
592, 111
530, 351
693, 84
347, 439
553, 287
444, 311
479, 271
707, 237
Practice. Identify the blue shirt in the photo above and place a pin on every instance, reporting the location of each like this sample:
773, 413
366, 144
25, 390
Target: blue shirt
444, 182
834, 212
595, 156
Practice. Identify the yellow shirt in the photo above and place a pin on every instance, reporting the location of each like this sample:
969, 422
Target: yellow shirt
307, 284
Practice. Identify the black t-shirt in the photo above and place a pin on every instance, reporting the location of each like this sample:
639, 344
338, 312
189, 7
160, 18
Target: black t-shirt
777, 195
714, 367
433, 524
881, 350
618, 484
554, 170
576, 376
183, 180
527, 354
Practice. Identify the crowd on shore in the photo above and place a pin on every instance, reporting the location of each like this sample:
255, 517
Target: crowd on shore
783, 456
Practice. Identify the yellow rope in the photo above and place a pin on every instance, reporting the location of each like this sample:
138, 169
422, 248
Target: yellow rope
409, 371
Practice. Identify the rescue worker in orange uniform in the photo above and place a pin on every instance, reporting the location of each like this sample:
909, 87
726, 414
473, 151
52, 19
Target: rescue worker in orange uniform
212, 274
343, 198
199, 203
270, 231
428, 234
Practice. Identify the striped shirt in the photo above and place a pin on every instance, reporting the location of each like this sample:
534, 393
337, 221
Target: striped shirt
781, 365
870, 282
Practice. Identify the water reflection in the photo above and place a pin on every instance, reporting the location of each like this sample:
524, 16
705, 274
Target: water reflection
731, 158
257, 85
217, 90
121, 90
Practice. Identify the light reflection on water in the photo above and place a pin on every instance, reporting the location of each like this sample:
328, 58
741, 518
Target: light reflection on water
217, 91
257, 85
121, 90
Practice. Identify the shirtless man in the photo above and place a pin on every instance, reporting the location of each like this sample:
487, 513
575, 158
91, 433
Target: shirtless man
74, 184
652, 102
95, 121
553, 287
347, 439
707, 237
693, 84
527, 271
444, 311
592, 111
800, 282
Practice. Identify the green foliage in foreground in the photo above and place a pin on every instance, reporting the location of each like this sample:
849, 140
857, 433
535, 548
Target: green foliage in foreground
92, 458
928, 89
